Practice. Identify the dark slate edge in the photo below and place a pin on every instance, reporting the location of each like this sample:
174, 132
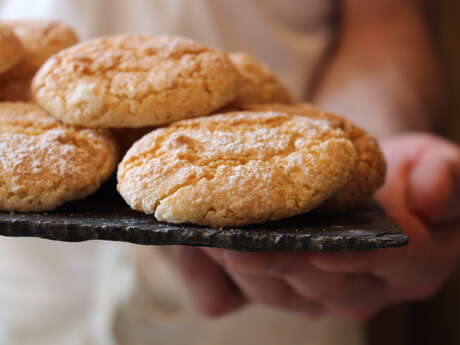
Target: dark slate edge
166, 234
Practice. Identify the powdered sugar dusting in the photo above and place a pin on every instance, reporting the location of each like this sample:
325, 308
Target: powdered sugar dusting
25, 154
235, 168
44, 163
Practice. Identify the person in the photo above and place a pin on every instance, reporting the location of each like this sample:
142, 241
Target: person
380, 68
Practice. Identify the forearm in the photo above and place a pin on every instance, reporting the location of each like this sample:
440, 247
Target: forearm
385, 73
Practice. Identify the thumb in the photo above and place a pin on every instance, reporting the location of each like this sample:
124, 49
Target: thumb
434, 183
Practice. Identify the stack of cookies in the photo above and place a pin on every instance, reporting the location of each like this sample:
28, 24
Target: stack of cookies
208, 137
43, 161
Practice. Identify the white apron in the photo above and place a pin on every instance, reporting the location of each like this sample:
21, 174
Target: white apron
94, 293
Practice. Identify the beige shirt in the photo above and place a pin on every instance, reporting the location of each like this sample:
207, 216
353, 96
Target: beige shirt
103, 293
289, 35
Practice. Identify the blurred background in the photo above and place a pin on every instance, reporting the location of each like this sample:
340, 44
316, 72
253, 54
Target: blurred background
447, 26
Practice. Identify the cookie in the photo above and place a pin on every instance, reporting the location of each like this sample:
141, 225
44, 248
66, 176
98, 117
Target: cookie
11, 50
257, 82
15, 91
44, 163
370, 169
40, 40
135, 81
235, 169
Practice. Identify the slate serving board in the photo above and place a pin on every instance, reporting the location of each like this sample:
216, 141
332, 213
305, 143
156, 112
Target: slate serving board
105, 216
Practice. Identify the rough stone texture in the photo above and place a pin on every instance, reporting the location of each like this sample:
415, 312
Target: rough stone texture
105, 216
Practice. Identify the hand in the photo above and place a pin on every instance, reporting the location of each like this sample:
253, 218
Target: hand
421, 195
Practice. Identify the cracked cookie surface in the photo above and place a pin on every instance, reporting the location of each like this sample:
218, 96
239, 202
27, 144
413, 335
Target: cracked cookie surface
236, 168
135, 81
44, 163
369, 174
11, 50
257, 83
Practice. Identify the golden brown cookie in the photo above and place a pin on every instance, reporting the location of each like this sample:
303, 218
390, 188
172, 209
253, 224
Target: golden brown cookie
135, 81
236, 168
15, 90
370, 169
11, 50
40, 39
257, 82
44, 163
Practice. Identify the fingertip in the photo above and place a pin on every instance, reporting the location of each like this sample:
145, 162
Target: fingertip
212, 292
429, 186
434, 180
